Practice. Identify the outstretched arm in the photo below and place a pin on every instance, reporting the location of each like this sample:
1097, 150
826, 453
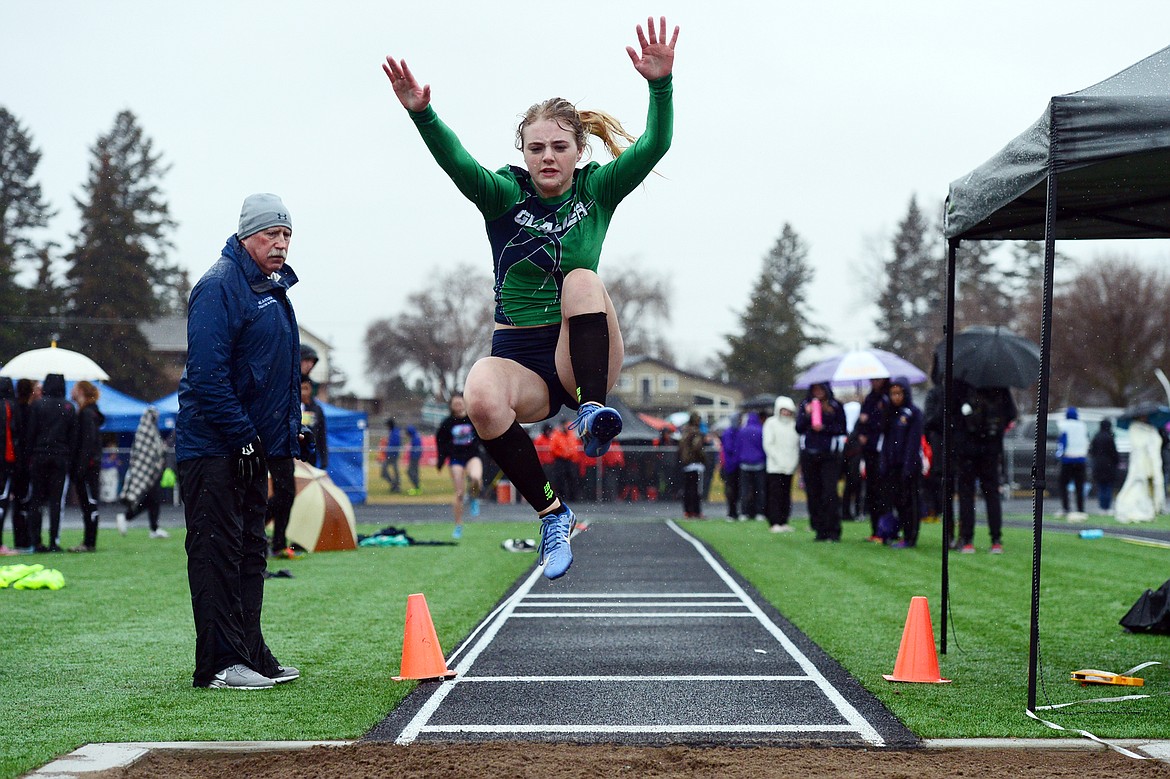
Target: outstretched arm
410, 94
657, 56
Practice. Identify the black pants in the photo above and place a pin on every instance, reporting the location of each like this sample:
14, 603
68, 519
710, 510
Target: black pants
983, 468
779, 500
20, 498
874, 497
284, 492
902, 499
731, 492
851, 498
1074, 472
822, 470
692, 493
226, 559
87, 484
751, 491
390, 471
151, 503
48, 474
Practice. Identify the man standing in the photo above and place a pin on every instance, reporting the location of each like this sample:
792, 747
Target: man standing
239, 404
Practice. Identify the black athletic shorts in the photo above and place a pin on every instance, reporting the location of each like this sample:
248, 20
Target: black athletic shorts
536, 349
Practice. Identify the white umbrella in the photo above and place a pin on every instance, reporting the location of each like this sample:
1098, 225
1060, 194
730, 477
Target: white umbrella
857, 366
39, 363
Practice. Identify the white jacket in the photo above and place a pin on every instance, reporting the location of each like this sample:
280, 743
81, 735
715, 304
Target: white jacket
781, 443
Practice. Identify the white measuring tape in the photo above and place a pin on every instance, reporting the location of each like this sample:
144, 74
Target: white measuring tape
1086, 733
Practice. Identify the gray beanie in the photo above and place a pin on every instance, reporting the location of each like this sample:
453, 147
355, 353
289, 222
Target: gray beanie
261, 211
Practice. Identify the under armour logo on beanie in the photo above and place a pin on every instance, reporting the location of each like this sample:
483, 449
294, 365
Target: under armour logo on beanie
261, 211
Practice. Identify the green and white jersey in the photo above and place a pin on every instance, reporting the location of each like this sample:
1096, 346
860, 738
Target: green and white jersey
535, 241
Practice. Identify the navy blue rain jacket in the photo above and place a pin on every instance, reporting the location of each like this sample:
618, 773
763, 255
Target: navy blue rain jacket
902, 440
831, 436
243, 374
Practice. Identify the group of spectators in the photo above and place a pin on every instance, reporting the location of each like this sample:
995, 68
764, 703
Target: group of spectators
46, 444
881, 447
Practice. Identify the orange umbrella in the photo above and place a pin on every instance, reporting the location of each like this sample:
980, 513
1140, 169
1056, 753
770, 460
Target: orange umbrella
322, 516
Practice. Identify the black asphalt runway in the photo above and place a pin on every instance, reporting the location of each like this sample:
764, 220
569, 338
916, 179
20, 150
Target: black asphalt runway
650, 638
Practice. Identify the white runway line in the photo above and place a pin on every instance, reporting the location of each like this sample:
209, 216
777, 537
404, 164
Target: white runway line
629, 603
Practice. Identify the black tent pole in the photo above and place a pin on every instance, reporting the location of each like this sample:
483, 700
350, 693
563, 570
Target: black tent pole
1038, 454
947, 468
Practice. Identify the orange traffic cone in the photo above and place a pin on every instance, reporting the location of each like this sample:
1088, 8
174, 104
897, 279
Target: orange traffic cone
422, 657
917, 661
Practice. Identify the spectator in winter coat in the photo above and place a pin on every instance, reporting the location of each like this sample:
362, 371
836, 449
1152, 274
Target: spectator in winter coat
10, 445
239, 419
729, 466
1072, 449
87, 461
27, 392
821, 423
782, 447
1106, 463
690, 459
870, 424
391, 455
901, 460
752, 462
52, 435
413, 458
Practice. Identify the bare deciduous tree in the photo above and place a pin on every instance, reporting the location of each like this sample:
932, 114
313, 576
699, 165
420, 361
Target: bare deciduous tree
439, 335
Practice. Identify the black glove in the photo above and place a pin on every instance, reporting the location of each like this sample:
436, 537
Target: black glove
308, 445
250, 461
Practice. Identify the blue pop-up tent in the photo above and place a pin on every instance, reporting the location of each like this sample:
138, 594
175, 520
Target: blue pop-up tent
121, 411
345, 431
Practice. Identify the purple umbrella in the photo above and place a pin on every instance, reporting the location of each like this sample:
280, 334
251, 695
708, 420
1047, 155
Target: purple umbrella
856, 366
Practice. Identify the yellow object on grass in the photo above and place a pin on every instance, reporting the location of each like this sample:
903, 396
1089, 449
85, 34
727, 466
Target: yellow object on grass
1088, 676
47, 579
13, 573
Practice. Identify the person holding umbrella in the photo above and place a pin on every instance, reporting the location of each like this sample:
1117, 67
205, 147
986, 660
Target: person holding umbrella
984, 415
821, 422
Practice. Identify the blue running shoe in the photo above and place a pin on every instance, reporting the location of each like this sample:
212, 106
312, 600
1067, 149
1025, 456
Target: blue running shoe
475, 507
597, 425
457, 533
554, 552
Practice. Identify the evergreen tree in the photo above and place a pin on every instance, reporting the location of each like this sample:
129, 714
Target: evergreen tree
912, 302
22, 210
775, 326
119, 274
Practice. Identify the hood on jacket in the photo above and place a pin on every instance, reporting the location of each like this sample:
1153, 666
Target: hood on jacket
784, 403
1072, 413
6, 391
828, 391
694, 419
1105, 427
54, 386
904, 383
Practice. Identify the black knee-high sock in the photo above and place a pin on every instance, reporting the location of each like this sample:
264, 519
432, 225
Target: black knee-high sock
515, 453
589, 355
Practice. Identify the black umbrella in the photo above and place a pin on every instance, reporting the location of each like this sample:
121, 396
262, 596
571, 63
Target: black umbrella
993, 357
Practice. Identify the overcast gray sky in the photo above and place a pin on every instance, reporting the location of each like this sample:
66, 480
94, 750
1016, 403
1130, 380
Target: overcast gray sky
829, 116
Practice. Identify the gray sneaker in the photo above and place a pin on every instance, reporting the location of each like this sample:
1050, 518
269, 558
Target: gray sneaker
286, 674
240, 677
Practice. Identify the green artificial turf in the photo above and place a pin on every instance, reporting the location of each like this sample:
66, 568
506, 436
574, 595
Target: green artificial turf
852, 599
109, 657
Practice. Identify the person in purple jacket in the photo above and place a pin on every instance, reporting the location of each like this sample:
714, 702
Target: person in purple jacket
751, 467
820, 421
729, 466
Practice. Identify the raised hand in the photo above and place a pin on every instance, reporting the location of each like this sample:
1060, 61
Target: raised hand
410, 94
657, 56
